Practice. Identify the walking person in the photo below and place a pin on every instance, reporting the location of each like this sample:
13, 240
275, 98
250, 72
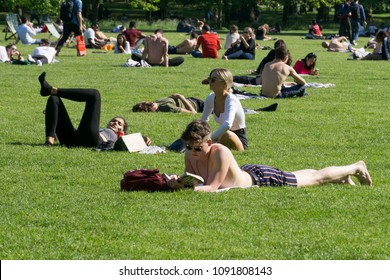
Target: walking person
73, 24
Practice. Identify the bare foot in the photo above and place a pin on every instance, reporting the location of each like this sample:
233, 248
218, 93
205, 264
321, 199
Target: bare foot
362, 174
346, 180
49, 141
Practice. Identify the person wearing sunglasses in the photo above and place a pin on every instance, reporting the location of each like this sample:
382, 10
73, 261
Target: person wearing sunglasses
7, 52
243, 48
88, 134
11, 54
227, 111
220, 171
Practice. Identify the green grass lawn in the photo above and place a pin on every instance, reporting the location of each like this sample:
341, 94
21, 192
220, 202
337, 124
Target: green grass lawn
61, 203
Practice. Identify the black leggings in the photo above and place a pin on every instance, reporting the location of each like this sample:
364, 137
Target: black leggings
176, 61
58, 122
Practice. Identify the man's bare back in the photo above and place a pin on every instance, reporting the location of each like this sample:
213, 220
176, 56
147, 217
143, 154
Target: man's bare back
274, 75
186, 46
156, 50
219, 169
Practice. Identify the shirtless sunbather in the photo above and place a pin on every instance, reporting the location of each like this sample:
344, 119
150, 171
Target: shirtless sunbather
275, 74
338, 44
216, 164
156, 51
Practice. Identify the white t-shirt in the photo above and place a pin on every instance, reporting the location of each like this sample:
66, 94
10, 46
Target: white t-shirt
25, 34
89, 34
233, 118
46, 51
127, 48
3, 54
230, 39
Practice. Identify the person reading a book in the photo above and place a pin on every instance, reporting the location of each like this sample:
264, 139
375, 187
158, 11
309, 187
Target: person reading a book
217, 166
88, 134
227, 111
176, 103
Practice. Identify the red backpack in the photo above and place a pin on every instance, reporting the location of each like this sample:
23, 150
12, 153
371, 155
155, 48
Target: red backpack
144, 180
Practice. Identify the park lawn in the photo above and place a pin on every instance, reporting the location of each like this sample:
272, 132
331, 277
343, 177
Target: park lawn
60, 203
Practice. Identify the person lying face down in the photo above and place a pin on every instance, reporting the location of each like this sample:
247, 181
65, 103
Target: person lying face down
219, 169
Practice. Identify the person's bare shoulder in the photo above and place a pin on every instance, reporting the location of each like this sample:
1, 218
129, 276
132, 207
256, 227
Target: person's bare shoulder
220, 151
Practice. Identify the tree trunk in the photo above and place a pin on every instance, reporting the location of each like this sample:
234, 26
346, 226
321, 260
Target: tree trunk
286, 9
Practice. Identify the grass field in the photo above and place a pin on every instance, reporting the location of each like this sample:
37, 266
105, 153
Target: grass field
60, 203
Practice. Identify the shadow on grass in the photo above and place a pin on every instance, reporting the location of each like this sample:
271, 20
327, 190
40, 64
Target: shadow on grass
27, 144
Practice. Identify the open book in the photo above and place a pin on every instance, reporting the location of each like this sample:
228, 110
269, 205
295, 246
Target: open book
191, 180
133, 142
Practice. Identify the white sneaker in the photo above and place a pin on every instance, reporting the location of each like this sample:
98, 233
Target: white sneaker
31, 59
39, 63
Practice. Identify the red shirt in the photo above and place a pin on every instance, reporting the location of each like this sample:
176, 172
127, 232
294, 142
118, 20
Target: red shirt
209, 43
316, 30
299, 67
132, 35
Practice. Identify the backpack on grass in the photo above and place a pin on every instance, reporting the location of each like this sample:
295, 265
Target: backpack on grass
144, 180
66, 11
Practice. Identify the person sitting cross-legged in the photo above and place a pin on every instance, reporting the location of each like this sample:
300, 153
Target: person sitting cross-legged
274, 75
155, 51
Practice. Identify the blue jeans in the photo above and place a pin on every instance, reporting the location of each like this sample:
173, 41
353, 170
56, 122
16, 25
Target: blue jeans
241, 55
297, 90
355, 29
196, 54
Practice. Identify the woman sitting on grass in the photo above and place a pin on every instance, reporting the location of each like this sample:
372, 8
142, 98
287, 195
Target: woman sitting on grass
378, 52
243, 48
261, 33
176, 103
227, 111
307, 66
88, 134
122, 45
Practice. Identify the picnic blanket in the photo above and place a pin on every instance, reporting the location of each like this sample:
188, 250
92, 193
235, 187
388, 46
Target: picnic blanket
320, 85
311, 84
132, 63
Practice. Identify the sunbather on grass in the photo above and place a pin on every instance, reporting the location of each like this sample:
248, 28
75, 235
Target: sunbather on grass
217, 166
88, 134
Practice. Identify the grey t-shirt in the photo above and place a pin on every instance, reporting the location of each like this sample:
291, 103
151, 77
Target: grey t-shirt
109, 134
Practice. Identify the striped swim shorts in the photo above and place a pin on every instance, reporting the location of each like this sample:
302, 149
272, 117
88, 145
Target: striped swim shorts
263, 175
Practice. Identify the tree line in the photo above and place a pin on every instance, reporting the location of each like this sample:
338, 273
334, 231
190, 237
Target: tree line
226, 10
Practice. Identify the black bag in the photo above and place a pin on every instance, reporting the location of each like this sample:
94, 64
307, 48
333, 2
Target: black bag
178, 146
66, 11
144, 180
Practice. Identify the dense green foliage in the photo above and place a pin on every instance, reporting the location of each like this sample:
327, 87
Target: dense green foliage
60, 203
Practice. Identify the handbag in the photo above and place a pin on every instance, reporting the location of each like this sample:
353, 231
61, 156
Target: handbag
144, 180
81, 49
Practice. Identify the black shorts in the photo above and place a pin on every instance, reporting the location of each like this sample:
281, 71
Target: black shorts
241, 133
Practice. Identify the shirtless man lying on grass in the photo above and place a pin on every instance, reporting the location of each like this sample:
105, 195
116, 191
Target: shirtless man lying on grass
215, 163
275, 74
338, 44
